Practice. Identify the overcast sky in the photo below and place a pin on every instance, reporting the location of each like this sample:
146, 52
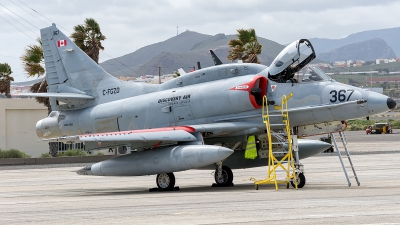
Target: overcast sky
130, 24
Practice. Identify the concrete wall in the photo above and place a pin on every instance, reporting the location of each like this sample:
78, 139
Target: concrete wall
18, 118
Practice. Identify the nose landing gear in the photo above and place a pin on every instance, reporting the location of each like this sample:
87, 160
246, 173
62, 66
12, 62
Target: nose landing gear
301, 181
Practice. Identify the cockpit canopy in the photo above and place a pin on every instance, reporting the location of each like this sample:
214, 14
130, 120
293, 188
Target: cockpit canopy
291, 60
311, 74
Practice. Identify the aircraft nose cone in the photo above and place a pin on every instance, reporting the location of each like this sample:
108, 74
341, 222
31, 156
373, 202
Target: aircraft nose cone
378, 103
391, 103
224, 152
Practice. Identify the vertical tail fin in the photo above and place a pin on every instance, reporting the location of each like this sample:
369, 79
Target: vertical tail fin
70, 70
217, 61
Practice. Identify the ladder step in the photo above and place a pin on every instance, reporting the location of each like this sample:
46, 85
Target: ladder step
280, 152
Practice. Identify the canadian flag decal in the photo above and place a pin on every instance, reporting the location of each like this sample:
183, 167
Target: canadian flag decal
273, 87
61, 43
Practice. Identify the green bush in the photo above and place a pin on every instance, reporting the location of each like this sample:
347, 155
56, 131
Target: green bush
395, 124
354, 125
73, 152
363, 124
13, 153
45, 155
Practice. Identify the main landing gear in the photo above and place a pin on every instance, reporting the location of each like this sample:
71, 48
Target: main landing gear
165, 182
223, 176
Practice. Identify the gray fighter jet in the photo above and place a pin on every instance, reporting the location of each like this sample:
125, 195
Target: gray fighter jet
198, 120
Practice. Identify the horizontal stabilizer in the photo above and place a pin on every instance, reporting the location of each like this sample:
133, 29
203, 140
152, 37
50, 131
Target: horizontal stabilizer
59, 95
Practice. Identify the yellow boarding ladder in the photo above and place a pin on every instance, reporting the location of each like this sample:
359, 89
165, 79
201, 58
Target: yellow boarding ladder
273, 163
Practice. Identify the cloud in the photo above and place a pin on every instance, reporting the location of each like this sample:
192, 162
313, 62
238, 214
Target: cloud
129, 25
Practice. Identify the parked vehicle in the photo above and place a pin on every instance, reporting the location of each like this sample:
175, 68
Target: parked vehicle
379, 128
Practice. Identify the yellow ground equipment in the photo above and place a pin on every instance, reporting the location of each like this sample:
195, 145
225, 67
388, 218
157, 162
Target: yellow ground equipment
284, 137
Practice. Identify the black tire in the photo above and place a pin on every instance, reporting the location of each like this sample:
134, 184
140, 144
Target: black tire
300, 182
165, 181
227, 176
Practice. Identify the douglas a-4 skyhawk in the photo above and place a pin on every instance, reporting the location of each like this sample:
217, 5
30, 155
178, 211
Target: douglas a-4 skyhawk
200, 120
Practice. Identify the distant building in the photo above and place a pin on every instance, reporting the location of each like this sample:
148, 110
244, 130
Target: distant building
18, 118
340, 64
358, 63
380, 61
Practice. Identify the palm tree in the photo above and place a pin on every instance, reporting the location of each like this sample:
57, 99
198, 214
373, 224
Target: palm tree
245, 47
33, 60
88, 37
5, 79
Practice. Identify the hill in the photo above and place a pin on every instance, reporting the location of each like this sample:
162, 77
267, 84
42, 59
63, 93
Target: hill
182, 51
181, 43
390, 36
188, 48
365, 50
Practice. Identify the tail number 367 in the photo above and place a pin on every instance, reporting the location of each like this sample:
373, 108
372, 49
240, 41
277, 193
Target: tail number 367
341, 95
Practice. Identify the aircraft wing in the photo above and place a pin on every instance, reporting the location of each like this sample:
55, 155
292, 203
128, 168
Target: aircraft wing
59, 95
178, 133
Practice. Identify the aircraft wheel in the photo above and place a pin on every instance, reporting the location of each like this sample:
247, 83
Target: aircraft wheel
227, 176
165, 181
301, 181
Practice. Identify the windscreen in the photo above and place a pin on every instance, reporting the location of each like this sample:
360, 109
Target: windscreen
311, 74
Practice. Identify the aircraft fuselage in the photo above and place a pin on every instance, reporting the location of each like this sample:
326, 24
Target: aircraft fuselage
220, 100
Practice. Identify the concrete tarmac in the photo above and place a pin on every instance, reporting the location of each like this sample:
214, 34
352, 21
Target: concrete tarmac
45, 195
